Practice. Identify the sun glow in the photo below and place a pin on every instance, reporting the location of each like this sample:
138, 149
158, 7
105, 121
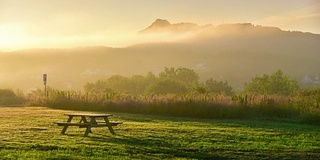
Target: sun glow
12, 37
61, 24
8, 42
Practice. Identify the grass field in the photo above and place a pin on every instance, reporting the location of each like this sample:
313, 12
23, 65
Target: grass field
29, 133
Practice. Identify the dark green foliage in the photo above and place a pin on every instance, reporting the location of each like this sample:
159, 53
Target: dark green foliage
8, 97
200, 89
174, 80
169, 95
131, 85
97, 87
7, 93
221, 87
165, 86
277, 83
185, 75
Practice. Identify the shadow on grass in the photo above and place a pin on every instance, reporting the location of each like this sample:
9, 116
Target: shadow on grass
155, 148
254, 123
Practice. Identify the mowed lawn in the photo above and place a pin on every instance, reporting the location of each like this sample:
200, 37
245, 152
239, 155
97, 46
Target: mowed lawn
29, 133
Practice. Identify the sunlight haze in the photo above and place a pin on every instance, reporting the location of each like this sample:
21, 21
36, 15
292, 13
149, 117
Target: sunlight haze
179, 79
73, 23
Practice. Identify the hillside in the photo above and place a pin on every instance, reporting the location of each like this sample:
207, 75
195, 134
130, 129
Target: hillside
232, 52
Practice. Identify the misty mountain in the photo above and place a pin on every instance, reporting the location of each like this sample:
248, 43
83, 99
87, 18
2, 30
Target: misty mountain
160, 26
232, 52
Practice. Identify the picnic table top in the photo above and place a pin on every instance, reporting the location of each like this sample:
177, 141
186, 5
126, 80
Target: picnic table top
88, 115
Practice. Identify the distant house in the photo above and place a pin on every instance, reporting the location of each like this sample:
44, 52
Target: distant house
307, 81
201, 67
317, 80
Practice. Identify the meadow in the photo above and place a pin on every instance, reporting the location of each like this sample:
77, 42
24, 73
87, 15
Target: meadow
29, 133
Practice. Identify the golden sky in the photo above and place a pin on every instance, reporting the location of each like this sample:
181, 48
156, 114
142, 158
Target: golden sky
73, 23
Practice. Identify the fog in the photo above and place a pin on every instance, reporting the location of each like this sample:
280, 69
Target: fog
232, 52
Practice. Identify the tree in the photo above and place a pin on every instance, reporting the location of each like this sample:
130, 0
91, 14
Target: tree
276, 83
165, 86
7, 93
150, 77
137, 84
131, 85
170, 80
7, 96
221, 87
118, 82
187, 76
169, 73
114, 83
99, 86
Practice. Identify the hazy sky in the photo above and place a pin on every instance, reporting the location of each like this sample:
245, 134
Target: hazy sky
72, 23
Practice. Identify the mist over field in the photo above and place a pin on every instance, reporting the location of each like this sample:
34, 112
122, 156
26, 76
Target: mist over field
232, 52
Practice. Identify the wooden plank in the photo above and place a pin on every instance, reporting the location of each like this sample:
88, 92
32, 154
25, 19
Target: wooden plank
71, 124
112, 123
103, 125
88, 115
115, 123
86, 124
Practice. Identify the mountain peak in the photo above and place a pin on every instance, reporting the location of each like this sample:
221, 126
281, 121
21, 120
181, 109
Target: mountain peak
161, 25
156, 26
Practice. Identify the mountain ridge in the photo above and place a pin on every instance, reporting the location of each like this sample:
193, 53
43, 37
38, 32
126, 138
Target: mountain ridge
161, 25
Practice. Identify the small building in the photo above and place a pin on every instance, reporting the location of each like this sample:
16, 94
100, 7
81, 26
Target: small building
307, 81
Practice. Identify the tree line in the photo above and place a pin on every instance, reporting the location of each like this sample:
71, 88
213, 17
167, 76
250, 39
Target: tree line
179, 92
183, 80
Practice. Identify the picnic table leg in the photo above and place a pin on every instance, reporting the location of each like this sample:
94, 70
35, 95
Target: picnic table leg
109, 125
84, 120
88, 130
66, 126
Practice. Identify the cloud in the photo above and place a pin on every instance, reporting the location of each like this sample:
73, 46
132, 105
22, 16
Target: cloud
304, 19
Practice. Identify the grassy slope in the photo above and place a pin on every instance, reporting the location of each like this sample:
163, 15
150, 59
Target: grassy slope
29, 133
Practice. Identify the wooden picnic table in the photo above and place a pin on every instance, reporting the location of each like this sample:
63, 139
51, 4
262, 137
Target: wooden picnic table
88, 121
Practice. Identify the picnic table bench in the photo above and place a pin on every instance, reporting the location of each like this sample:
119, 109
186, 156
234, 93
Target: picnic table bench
88, 121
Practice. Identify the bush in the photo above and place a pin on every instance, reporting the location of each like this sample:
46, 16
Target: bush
165, 86
8, 97
221, 87
277, 83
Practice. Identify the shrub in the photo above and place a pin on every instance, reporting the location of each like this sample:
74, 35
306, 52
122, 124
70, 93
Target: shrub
8, 97
277, 83
221, 87
165, 86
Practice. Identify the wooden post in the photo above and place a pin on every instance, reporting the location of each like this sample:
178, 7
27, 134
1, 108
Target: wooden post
45, 84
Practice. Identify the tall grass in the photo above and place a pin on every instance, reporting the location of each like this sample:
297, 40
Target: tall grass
302, 106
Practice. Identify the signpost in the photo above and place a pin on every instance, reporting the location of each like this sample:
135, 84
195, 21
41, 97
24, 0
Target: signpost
45, 84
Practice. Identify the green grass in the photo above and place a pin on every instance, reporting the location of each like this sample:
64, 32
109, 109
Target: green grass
29, 133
